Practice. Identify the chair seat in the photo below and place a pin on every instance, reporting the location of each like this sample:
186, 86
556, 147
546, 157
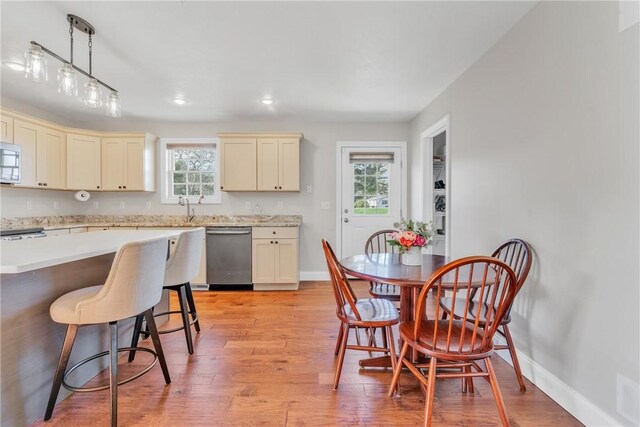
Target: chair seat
63, 310
373, 310
472, 311
425, 339
385, 291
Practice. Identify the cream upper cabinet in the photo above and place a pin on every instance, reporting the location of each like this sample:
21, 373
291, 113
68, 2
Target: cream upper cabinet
127, 163
6, 128
238, 164
51, 158
25, 134
260, 162
83, 162
275, 258
44, 152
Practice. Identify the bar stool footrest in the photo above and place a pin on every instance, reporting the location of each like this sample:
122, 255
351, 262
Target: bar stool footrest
194, 319
105, 353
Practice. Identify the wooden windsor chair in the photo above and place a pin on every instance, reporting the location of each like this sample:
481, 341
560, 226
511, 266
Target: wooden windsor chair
516, 253
376, 244
358, 313
455, 345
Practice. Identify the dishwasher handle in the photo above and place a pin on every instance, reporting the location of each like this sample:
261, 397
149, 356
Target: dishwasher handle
227, 232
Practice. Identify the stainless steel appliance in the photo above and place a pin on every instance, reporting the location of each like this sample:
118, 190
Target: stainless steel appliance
25, 233
10, 160
229, 256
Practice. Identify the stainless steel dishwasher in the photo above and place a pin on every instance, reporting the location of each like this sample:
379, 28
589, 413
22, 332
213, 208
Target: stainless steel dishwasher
229, 256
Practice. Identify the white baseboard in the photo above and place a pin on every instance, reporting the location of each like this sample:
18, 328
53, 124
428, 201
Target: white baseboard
573, 402
314, 275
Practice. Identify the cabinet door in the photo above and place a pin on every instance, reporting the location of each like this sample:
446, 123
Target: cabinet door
25, 134
134, 164
83, 162
113, 164
238, 164
51, 158
286, 261
6, 129
263, 260
289, 162
268, 179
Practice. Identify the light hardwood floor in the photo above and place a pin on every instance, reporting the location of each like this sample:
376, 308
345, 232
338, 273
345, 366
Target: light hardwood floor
266, 358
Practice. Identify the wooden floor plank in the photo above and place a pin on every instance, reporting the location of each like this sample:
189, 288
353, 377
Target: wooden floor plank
266, 359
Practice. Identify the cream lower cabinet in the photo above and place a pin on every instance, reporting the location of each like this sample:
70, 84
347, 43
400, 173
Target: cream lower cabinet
201, 278
83, 162
275, 258
43, 155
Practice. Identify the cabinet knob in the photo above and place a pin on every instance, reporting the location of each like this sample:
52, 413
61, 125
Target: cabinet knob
45, 184
276, 242
221, 187
274, 232
276, 187
98, 186
271, 242
279, 188
120, 186
124, 186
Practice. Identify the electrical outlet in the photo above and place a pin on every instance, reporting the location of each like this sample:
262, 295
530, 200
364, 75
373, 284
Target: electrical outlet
122, 205
280, 204
29, 205
96, 205
247, 205
56, 205
325, 205
147, 205
309, 189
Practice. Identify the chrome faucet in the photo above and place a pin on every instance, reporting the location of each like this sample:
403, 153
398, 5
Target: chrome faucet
191, 212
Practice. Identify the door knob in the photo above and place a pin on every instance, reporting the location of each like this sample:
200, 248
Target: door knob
346, 220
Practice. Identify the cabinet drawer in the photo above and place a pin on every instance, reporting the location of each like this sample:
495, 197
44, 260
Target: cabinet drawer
272, 232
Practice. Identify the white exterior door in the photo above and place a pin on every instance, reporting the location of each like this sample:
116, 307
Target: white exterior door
372, 193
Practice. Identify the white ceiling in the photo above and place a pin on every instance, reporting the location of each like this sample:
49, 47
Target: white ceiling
337, 61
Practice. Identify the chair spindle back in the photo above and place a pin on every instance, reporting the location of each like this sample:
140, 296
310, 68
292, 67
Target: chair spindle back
341, 288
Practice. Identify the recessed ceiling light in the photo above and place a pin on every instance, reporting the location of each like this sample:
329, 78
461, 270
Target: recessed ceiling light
179, 101
267, 101
15, 66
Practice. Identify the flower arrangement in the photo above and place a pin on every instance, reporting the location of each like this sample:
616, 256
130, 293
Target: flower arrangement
410, 234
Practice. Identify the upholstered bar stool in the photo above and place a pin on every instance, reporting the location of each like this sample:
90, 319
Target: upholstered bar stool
132, 287
182, 267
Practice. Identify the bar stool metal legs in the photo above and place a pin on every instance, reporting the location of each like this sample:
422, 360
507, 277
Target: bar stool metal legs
187, 308
67, 346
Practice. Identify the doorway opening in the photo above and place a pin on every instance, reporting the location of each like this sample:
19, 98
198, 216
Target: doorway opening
436, 179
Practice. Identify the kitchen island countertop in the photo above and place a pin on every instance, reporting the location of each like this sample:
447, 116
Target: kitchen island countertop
19, 256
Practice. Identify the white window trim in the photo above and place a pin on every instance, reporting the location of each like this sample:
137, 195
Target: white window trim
165, 178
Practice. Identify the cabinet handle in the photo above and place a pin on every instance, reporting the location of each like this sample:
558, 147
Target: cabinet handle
274, 232
276, 187
279, 188
120, 186
45, 184
98, 187
276, 242
271, 242
124, 186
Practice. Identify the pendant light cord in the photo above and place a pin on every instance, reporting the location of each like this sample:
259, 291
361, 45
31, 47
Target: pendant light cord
71, 40
90, 53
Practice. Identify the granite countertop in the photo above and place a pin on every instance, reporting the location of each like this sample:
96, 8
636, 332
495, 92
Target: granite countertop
71, 221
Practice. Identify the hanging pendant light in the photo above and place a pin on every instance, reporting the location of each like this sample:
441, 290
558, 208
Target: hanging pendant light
67, 80
35, 64
92, 94
113, 104
36, 69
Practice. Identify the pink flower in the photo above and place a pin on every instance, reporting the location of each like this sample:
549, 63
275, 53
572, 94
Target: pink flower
420, 241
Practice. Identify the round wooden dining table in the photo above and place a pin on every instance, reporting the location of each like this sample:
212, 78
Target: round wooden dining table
387, 268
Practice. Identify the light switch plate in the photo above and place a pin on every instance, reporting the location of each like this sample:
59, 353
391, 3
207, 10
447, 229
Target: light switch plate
122, 205
56, 205
247, 205
280, 204
309, 189
325, 205
29, 205
148, 205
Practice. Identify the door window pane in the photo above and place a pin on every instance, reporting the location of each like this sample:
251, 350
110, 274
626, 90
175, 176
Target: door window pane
371, 188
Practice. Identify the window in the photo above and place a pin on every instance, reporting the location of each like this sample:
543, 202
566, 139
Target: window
190, 169
371, 188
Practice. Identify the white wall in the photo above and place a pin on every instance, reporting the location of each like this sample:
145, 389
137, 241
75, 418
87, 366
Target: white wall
544, 145
317, 167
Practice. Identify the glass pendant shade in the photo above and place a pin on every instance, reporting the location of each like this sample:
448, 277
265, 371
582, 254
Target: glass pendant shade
113, 105
35, 64
92, 94
67, 80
